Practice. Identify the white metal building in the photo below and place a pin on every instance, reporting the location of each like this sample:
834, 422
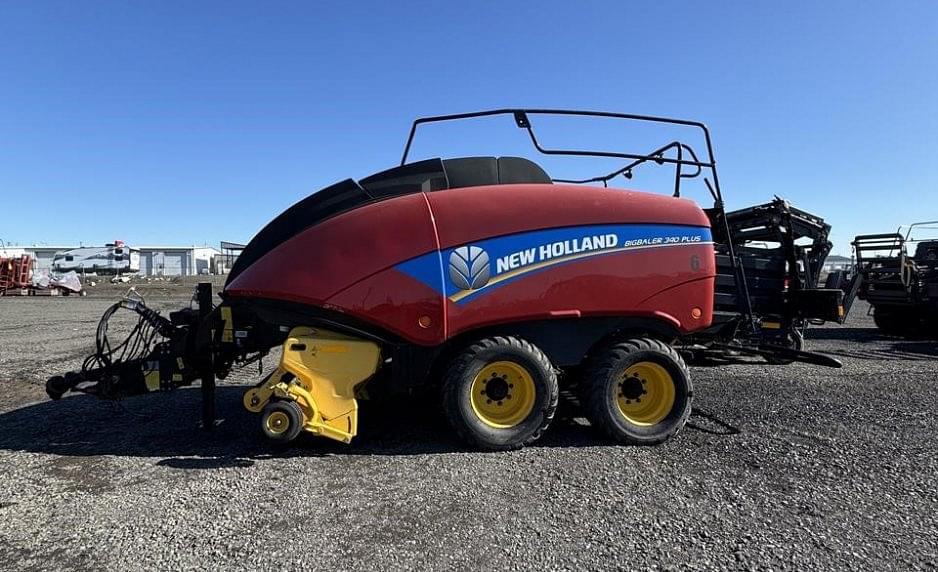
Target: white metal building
176, 260
11, 251
835, 262
43, 255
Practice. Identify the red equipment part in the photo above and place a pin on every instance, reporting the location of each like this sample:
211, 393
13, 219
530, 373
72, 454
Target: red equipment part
6, 273
15, 272
366, 262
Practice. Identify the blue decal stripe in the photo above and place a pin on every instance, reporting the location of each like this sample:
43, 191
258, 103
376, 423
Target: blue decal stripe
502, 279
516, 255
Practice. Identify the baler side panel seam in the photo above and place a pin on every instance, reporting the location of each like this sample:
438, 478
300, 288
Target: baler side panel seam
444, 310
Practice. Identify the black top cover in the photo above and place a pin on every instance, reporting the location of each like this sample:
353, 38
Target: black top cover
328, 202
423, 176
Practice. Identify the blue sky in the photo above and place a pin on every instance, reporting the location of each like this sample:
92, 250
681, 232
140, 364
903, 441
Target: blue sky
194, 122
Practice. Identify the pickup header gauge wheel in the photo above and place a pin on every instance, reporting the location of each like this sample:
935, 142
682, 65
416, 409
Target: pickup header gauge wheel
282, 421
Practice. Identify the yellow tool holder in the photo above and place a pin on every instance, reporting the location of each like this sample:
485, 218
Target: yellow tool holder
320, 370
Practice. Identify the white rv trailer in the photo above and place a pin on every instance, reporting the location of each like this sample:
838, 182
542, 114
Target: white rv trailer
114, 258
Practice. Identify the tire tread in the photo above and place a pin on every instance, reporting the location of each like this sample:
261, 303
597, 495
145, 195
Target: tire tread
455, 373
593, 389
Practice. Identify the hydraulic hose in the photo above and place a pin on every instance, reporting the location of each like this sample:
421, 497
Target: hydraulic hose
163, 326
136, 345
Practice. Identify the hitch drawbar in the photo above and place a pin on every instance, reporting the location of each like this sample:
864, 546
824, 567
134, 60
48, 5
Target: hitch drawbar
313, 389
159, 354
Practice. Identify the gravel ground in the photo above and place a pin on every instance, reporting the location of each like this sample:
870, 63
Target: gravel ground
792, 467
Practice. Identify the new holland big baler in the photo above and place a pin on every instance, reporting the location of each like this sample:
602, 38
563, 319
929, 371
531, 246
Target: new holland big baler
481, 278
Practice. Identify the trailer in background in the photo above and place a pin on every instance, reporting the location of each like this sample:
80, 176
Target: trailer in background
116, 258
898, 275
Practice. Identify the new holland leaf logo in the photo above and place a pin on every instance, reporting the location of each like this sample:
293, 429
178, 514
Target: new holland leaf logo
469, 267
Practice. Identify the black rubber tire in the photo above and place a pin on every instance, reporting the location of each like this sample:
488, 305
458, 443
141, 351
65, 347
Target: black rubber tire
457, 385
606, 368
896, 322
295, 425
885, 321
931, 328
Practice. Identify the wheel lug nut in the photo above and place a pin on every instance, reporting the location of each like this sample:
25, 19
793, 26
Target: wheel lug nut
511, 386
499, 403
482, 392
508, 396
488, 401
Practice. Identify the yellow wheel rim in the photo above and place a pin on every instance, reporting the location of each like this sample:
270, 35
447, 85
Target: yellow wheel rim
277, 422
503, 394
644, 394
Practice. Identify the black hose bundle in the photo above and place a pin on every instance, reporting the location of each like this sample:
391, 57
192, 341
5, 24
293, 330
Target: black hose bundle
138, 344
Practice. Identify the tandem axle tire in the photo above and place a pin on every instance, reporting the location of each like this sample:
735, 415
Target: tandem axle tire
886, 321
282, 421
897, 322
637, 392
500, 393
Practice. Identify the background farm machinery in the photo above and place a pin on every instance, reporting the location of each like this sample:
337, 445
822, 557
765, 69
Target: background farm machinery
764, 303
897, 273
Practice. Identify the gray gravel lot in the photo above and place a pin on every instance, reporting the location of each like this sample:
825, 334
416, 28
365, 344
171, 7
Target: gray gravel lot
792, 467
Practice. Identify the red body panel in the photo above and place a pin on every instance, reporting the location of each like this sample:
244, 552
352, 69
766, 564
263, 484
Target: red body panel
464, 215
397, 303
347, 263
339, 252
618, 284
